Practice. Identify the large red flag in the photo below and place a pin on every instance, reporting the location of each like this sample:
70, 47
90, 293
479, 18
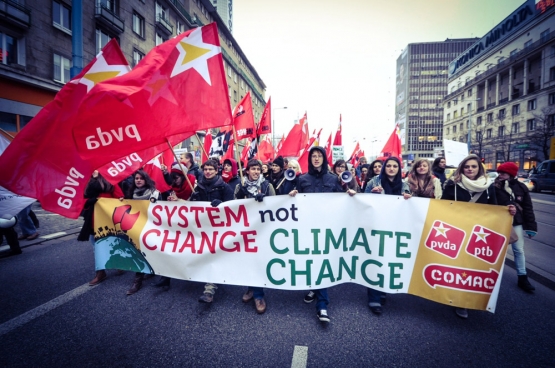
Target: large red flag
354, 156
338, 139
392, 147
207, 145
303, 159
243, 119
296, 140
329, 151
179, 87
42, 161
266, 151
265, 123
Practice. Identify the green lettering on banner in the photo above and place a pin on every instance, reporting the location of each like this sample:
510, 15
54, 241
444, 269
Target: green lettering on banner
336, 244
296, 249
315, 233
269, 271
326, 267
365, 277
364, 241
350, 271
294, 272
382, 234
393, 276
398, 253
272, 243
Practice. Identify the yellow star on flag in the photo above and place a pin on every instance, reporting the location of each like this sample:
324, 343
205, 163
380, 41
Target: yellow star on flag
194, 54
481, 235
441, 230
101, 71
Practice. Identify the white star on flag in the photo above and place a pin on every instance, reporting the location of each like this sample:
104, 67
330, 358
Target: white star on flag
481, 235
194, 54
156, 161
101, 71
441, 230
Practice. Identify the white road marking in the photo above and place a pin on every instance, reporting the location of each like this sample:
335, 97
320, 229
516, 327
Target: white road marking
300, 356
543, 202
27, 317
49, 236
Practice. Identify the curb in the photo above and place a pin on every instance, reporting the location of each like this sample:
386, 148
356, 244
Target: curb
25, 244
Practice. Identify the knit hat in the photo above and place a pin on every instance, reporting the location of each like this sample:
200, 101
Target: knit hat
279, 161
509, 168
177, 170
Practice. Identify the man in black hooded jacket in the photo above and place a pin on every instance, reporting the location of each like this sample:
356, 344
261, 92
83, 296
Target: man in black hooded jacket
319, 180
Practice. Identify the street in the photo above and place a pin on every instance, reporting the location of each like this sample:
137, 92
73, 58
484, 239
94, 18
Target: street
49, 316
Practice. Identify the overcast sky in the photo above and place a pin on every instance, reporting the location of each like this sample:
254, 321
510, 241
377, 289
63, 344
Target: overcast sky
331, 57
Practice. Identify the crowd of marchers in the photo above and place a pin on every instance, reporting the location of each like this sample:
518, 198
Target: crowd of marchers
216, 182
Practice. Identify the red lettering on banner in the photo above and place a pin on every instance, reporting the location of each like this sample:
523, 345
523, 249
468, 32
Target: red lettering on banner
169, 240
463, 279
237, 247
188, 243
241, 213
170, 214
158, 220
213, 214
146, 234
205, 240
248, 240
196, 210
183, 217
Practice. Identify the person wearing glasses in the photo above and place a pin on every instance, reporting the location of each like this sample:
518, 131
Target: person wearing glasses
339, 168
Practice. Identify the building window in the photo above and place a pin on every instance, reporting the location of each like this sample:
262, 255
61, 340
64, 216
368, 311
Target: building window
235, 96
455, 114
159, 39
501, 131
448, 104
516, 109
229, 71
161, 11
111, 5
544, 36
102, 39
61, 69
235, 77
515, 128
61, 16
9, 50
448, 117
502, 114
528, 44
469, 93
461, 127
551, 98
137, 56
454, 128
552, 74
479, 120
13, 122
180, 28
478, 136
490, 117
532, 105
531, 124
447, 131
139, 25
488, 133
513, 53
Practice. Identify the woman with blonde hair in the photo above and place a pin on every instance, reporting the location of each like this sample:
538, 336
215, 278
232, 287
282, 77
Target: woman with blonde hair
286, 186
421, 181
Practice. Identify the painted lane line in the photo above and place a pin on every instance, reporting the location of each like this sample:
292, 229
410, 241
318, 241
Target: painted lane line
27, 317
49, 236
300, 356
543, 202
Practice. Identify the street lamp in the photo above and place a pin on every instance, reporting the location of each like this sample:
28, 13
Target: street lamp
274, 124
469, 137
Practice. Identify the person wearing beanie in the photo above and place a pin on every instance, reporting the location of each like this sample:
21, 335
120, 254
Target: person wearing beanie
509, 190
319, 180
230, 173
277, 175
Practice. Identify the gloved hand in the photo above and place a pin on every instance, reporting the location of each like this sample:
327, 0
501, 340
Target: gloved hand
259, 197
530, 233
215, 203
195, 196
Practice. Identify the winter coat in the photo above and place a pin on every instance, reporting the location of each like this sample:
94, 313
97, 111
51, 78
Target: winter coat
316, 181
488, 196
376, 182
523, 203
275, 180
208, 190
195, 170
440, 174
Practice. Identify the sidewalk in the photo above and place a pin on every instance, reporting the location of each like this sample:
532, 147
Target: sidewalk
58, 228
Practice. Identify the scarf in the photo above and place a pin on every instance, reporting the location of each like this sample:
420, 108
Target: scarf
392, 187
254, 186
142, 193
504, 184
475, 186
425, 190
227, 176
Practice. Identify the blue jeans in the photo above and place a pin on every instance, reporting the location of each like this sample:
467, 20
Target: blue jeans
518, 251
374, 297
25, 222
257, 292
322, 299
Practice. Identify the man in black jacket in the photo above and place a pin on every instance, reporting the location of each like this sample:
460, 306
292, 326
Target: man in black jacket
509, 190
319, 180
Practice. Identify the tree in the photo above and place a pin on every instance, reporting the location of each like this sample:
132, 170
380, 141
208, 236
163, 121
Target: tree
544, 129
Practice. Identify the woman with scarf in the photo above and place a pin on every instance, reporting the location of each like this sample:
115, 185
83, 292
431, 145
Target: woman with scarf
388, 182
339, 168
256, 187
421, 181
277, 175
229, 173
97, 187
142, 188
509, 190
438, 169
470, 183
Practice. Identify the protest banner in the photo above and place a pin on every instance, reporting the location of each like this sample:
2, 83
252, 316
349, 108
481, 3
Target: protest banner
448, 252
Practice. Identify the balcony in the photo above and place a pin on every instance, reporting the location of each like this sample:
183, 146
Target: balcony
15, 14
164, 24
109, 19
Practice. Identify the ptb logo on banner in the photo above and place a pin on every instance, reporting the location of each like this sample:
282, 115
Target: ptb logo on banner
485, 244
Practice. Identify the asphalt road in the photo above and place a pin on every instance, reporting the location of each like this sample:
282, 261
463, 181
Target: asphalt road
49, 316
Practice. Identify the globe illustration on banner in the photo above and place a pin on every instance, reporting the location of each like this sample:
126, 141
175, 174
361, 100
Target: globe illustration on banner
113, 252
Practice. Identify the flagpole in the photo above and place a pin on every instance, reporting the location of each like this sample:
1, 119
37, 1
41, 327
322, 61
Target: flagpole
202, 145
237, 150
180, 166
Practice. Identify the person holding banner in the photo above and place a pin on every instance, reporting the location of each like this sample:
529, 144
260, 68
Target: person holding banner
319, 180
257, 187
339, 167
143, 187
211, 188
388, 182
421, 181
470, 183
287, 186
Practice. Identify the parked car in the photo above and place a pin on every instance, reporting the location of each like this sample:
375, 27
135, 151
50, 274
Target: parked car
492, 174
543, 176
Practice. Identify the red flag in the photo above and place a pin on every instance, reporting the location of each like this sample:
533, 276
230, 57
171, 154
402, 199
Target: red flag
357, 154
245, 151
179, 87
303, 159
392, 147
42, 162
266, 151
153, 169
296, 140
265, 123
243, 119
329, 151
338, 139
207, 145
